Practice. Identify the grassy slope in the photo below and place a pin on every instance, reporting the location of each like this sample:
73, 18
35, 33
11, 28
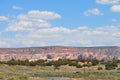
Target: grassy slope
46, 73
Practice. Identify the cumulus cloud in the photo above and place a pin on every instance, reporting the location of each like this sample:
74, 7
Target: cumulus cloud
38, 15
115, 8
16, 7
27, 26
3, 18
43, 14
94, 11
32, 21
115, 4
36, 31
108, 1
81, 36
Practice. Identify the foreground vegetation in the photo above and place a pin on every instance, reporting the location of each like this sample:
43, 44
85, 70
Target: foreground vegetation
60, 70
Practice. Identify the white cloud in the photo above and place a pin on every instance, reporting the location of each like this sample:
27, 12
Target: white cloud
3, 18
43, 14
81, 36
16, 7
36, 14
80, 41
117, 34
27, 26
94, 11
32, 21
36, 31
54, 30
115, 4
83, 28
108, 1
115, 8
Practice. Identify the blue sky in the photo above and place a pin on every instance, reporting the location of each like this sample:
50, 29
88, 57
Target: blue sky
28, 23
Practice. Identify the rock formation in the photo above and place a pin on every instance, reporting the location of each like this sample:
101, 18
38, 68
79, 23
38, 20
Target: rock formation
60, 52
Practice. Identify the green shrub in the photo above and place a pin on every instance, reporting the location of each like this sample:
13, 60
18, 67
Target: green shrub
23, 78
99, 68
95, 62
111, 65
78, 66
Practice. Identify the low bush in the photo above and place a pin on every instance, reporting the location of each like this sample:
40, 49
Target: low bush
99, 68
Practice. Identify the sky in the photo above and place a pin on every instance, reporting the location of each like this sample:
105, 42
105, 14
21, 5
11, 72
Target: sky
80, 23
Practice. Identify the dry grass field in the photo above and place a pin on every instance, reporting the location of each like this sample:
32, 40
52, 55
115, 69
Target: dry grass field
18, 72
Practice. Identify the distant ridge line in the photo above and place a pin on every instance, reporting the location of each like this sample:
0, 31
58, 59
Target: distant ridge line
60, 52
59, 46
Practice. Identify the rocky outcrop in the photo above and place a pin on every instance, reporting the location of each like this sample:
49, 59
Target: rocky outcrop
56, 52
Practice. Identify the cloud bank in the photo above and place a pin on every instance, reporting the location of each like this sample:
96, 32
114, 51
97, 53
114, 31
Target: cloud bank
34, 29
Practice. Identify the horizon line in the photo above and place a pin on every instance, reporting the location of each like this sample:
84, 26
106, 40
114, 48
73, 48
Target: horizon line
58, 46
